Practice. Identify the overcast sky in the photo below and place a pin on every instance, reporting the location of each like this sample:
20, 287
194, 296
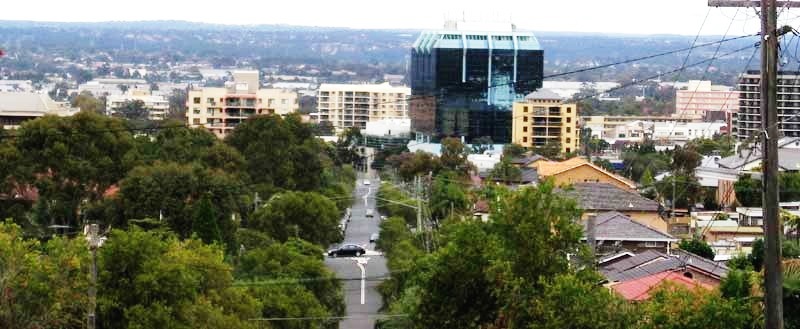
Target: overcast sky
606, 16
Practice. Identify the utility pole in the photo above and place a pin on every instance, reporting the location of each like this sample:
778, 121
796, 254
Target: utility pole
773, 276
94, 240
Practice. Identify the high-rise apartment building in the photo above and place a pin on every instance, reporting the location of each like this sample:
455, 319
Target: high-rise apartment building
220, 110
353, 105
466, 77
747, 122
543, 118
700, 99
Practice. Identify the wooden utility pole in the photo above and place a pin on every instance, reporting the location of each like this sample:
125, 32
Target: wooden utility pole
773, 276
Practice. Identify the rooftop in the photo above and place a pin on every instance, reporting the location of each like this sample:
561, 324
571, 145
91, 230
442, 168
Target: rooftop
545, 94
614, 226
604, 196
640, 289
375, 88
29, 104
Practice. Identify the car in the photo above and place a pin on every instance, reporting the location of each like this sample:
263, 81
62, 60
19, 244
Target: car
370, 212
383, 217
373, 237
347, 250
366, 182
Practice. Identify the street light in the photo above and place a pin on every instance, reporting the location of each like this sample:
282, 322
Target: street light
94, 240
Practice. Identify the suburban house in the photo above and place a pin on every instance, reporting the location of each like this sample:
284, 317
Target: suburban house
722, 173
627, 266
578, 170
725, 236
595, 198
639, 289
614, 232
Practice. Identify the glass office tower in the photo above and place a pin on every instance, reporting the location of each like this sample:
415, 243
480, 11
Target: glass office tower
464, 81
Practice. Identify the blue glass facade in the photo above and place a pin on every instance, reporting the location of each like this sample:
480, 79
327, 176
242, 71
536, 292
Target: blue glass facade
465, 83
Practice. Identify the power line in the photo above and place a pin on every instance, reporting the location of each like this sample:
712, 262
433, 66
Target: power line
346, 317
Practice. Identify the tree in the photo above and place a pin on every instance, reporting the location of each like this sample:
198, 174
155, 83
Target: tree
505, 171
551, 149
697, 247
171, 190
573, 301
748, 191
204, 221
409, 165
134, 110
280, 153
447, 196
757, 253
347, 147
306, 215
791, 293
177, 104
454, 156
43, 284
685, 160
154, 280
513, 150
680, 308
87, 102
74, 159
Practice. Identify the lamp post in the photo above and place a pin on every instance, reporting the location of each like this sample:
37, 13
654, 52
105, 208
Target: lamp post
94, 241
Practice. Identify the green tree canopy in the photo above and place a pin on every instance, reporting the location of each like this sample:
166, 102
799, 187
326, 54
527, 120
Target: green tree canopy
280, 153
306, 215
697, 247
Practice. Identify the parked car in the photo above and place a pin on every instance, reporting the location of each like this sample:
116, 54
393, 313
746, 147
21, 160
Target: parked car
370, 213
373, 237
366, 182
347, 250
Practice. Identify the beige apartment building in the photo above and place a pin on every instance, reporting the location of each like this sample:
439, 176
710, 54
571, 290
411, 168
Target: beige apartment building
543, 118
701, 98
157, 106
353, 105
220, 110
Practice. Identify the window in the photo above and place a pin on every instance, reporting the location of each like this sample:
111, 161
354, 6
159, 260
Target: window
569, 120
569, 110
569, 140
197, 100
476, 37
524, 129
524, 139
524, 119
569, 150
651, 244
525, 109
451, 37
196, 111
196, 121
501, 37
523, 38
210, 111
569, 130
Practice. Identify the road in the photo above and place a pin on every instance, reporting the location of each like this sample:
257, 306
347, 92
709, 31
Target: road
358, 231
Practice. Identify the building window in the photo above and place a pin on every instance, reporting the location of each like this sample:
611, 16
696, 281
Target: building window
651, 244
197, 100
196, 121
569, 140
524, 119
524, 129
210, 100
569, 110
196, 111
569, 150
569, 120
525, 109
524, 139
569, 130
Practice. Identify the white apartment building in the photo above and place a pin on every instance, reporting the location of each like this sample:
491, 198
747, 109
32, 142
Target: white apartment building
353, 105
701, 97
220, 110
157, 106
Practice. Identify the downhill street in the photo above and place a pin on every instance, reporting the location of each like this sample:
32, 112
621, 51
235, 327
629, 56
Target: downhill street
358, 232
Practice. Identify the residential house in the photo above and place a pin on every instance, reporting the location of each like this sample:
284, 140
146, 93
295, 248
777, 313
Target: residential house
595, 198
640, 289
18, 107
626, 267
578, 170
615, 232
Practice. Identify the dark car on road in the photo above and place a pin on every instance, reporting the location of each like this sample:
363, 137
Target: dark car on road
347, 250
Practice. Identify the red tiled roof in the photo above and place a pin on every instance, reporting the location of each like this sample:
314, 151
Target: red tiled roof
640, 289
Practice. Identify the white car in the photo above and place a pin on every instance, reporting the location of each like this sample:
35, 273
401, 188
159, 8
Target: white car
366, 182
370, 212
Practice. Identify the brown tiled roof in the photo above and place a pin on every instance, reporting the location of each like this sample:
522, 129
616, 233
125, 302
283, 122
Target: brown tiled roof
605, 196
